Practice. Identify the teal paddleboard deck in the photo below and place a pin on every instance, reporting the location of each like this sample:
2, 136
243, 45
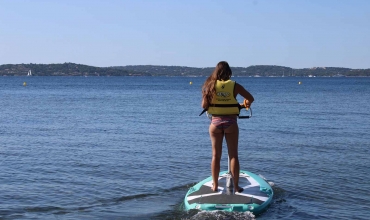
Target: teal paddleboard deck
256, 195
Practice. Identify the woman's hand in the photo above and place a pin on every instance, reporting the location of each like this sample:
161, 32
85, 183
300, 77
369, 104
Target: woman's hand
247, 104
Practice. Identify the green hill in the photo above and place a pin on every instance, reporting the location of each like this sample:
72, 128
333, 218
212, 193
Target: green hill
72, 69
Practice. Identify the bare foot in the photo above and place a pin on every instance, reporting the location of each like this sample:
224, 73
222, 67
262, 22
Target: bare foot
238, 189
214, 187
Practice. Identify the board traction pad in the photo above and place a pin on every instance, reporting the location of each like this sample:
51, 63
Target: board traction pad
251, 193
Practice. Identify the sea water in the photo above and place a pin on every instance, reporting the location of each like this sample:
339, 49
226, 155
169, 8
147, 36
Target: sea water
131, 147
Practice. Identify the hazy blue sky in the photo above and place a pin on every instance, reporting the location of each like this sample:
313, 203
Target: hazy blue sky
196, 33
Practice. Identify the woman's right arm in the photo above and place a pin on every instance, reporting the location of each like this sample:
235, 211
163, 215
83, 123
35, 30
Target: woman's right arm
239, 89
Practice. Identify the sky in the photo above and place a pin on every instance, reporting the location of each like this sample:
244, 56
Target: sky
194, 33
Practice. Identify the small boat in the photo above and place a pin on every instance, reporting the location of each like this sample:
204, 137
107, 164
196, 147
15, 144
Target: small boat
29, 73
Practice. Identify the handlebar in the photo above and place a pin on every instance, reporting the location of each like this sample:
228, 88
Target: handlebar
246, 116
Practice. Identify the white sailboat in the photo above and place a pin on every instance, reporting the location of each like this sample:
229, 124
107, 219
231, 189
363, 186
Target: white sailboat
29, 73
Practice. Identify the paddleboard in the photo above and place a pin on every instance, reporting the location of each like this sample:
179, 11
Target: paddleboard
256, 196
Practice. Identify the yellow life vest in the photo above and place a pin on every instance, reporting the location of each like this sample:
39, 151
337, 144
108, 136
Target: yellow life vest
223, 102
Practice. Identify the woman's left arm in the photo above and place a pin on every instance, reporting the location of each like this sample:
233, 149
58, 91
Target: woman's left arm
205, 103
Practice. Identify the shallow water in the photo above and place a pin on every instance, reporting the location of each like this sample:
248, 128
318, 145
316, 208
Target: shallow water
130, 147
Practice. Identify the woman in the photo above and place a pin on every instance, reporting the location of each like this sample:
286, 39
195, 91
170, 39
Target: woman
219, 98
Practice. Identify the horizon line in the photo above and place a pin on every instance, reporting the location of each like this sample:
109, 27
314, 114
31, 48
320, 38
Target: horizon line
315, 67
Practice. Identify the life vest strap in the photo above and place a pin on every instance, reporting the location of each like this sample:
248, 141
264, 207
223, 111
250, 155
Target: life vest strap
222, 106
225, 105
232, 105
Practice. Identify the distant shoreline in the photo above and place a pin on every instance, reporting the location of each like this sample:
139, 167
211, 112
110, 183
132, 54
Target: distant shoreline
193, 76
72, 69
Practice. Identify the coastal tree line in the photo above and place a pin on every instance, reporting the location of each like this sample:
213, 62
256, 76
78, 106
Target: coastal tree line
73, 69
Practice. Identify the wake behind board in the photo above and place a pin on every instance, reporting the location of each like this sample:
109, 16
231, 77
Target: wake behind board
256, 196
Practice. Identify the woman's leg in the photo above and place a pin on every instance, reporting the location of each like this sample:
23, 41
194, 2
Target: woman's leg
232, 138
217, 136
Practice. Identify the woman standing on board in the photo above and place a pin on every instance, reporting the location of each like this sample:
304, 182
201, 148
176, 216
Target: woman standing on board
219, 90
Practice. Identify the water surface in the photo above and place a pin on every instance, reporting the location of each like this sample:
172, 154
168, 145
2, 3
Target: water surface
130, 147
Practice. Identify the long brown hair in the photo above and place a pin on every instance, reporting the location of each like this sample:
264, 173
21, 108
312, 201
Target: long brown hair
221, 72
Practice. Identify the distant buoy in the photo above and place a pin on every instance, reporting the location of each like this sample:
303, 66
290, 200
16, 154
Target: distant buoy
191, 83
24, 84
299, 83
